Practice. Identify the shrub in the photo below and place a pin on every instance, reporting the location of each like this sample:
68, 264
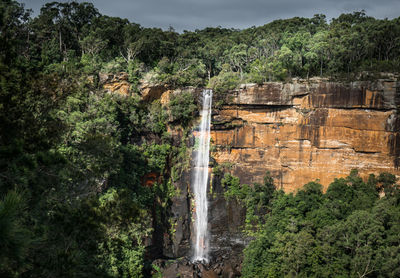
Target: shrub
182, 108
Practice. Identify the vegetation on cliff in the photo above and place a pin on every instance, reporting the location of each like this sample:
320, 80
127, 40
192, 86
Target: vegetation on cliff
72, 166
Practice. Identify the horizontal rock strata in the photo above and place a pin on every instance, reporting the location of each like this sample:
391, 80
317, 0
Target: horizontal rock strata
309, 130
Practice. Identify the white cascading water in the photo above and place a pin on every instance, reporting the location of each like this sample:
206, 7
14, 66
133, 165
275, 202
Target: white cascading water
201, 179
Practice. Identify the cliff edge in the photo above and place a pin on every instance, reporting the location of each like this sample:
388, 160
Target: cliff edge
309, 130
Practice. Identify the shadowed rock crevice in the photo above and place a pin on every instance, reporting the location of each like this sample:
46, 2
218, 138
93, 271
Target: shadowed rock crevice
394, 148
312, 126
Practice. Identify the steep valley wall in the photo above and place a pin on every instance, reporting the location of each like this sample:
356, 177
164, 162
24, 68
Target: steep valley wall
308, 130
299, 131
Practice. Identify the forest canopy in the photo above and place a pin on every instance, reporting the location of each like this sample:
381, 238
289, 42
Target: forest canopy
66, 37
348, 231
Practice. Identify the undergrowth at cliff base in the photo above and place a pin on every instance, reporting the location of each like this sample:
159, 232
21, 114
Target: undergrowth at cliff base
348, 231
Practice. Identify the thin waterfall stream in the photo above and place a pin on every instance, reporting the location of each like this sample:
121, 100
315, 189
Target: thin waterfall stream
200, 181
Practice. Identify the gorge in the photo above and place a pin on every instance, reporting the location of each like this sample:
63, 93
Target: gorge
132, 151
299, 131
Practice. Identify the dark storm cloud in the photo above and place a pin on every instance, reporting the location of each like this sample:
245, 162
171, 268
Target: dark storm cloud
191, 14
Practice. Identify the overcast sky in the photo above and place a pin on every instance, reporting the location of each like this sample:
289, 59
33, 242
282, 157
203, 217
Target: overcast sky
198, 14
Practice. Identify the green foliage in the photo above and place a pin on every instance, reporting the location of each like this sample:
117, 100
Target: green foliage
302, 47
233, 190
157, 156
135, 70
121, 254
254, 198
14, 237
345, 232
77, 153
226, 80
157, 272
181, 160
261, 71
156, 118
182, 72
115, 66
388, 183
182, 108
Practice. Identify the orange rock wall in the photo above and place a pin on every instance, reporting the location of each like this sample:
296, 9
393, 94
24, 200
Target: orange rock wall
116, 83
304, 131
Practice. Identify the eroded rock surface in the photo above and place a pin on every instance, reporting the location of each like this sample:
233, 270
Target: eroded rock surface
184, 268
309, 130
115, 83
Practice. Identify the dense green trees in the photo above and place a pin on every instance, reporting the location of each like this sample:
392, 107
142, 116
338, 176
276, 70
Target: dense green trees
346, 232
14, 237
72, 157
182, 108
80, 166
255, 198
77, 33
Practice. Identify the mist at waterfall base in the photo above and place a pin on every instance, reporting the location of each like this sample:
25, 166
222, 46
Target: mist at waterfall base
200, 180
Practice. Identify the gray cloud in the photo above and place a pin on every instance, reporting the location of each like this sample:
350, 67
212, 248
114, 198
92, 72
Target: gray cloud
198, 14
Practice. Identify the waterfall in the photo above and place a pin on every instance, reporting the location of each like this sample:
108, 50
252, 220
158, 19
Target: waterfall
200, 180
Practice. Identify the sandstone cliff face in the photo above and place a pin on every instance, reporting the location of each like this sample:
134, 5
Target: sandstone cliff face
309, 130
115, 83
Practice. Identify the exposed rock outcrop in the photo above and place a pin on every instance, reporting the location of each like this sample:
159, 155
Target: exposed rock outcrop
184, 268
309, 130
150, 93
115, 83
